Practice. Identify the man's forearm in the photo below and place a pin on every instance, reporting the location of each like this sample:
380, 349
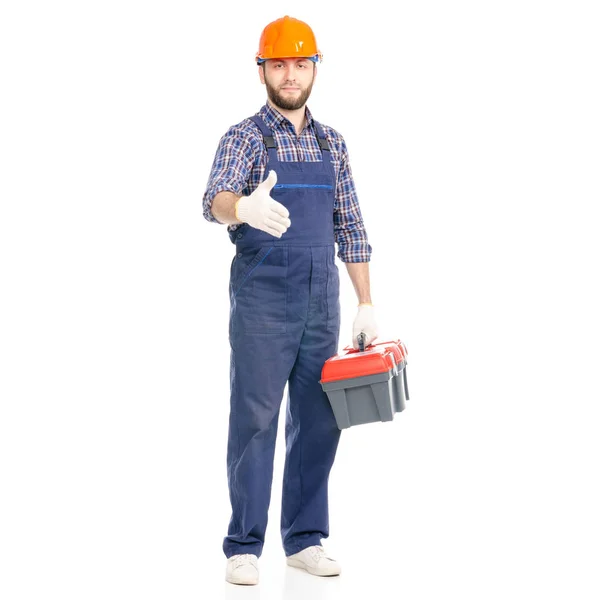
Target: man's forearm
223, 208
359, 274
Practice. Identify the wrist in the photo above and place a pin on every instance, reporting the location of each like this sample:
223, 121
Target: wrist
239, 209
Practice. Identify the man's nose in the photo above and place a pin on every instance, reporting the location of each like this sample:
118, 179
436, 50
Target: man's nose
290, 73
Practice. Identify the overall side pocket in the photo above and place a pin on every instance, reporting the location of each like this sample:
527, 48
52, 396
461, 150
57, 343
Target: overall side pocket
333, 296
259, 293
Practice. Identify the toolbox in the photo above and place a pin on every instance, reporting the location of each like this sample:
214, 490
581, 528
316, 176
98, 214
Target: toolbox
368, 384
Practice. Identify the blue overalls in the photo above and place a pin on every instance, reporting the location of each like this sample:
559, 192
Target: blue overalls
284, 324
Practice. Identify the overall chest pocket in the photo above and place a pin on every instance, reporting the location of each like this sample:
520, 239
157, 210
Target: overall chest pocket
258, 291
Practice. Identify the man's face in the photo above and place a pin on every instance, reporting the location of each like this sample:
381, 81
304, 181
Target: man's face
289, 81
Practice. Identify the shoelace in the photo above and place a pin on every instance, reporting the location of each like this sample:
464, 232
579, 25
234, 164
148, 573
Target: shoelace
244, 559
318, 552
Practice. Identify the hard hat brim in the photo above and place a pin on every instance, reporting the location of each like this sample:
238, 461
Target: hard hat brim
315, 58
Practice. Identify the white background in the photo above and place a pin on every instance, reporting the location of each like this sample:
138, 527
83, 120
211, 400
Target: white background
473, 130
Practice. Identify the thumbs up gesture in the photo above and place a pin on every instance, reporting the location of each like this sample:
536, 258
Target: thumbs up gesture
259, 210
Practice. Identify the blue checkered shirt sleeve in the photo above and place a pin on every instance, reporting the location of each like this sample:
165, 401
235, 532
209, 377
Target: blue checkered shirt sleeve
349, 229
231, 168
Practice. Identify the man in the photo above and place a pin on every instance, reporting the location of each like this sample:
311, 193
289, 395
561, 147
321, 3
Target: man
283, 185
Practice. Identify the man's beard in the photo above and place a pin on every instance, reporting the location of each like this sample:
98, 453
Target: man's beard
289, 103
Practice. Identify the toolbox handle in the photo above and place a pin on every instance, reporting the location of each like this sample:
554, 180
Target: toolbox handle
361, 341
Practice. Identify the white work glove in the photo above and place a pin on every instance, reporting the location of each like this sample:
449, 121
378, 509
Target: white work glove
364, 322
259, 210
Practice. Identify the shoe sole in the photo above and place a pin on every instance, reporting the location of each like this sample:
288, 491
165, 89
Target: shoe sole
292, 562
241, 582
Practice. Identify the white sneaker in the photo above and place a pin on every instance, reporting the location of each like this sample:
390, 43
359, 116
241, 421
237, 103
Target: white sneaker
314, 560
242, 569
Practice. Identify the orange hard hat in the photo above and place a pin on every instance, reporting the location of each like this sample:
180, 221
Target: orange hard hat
287, 38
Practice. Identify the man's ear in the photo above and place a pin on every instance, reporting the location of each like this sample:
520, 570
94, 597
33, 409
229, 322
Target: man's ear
261, 73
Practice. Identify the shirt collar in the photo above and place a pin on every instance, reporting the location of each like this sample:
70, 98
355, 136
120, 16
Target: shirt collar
275, 120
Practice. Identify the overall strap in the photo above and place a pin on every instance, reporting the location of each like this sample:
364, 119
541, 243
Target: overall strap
325, 149
271, 146
268, 138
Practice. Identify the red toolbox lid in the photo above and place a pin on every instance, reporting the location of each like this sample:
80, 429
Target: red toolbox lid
376, 358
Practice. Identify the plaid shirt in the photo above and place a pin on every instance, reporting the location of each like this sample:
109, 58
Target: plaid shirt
241, 160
